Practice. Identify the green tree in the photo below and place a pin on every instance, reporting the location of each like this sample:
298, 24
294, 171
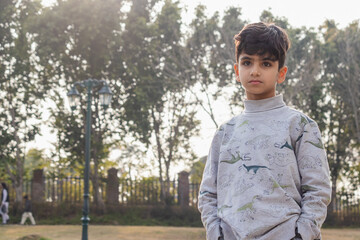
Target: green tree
21, 88
341, 77
197, 170
347, 44
158, 108
214, 50
303, 85
74, 42
132, 160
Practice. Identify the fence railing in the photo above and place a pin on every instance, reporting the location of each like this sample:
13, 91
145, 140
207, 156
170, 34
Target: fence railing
131, 191
346, 209
143, 192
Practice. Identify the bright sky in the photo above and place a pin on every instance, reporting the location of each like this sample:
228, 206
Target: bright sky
299, 13
309, 13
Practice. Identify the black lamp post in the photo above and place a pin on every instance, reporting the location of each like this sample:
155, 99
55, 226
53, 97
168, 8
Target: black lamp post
74, 100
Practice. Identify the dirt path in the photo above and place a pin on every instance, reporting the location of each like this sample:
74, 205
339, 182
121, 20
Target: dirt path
66, 232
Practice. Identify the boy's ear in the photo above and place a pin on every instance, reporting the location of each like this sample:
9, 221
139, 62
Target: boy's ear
236, 69
282, 74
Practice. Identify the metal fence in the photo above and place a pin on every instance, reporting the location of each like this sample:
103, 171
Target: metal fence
346, 210
144, 192
131, 191
147, 192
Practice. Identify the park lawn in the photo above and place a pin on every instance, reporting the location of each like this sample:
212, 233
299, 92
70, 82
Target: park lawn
97, 232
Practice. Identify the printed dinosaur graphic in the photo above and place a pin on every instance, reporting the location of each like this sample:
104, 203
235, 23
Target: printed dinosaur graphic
277, 125
287, 145
225, 181
233, 159
247, 212
309, 120
246, 122
249, 205
246, 157
300, 136
271, 185
204, 192
303, 121
222, 208
306, 188
280, 159
254, 168
277, 185
244, 126
237, 158
318, 144
242, 187
226, 138
259, 142
298, 139
310, 162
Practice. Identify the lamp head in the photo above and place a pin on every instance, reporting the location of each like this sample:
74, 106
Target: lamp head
73, 97
105, 95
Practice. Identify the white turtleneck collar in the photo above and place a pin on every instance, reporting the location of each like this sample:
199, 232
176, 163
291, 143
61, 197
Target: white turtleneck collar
253, 106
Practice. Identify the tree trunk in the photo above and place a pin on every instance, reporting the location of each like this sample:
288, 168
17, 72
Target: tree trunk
332, 206
18, 186
17, 178
163, 195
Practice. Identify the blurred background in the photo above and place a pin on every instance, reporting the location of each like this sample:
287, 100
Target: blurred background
169, 65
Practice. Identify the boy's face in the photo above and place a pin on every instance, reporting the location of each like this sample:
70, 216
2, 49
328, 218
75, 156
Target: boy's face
259, 75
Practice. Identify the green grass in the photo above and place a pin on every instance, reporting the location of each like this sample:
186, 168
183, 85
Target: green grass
101, 232
134, 216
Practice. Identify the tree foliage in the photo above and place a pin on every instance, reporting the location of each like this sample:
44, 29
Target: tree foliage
21, 89
74, 41
162, 73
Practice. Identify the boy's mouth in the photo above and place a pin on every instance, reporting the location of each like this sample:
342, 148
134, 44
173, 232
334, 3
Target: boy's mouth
254, 81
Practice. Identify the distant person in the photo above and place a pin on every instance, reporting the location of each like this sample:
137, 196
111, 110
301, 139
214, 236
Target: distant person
267, 175
4, 208
27, 212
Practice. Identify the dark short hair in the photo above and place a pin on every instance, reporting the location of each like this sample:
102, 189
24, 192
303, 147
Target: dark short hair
262, 38
4, 185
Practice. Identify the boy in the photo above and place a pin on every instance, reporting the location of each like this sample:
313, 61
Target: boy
267, 176
27, 212
4, 205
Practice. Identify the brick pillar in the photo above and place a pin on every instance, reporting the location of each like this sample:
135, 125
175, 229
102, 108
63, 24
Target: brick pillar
183, 189
38, 186
112, 187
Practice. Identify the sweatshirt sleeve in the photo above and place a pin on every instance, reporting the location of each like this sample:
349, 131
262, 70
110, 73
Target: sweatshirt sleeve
4, 196
315, 181
208, 190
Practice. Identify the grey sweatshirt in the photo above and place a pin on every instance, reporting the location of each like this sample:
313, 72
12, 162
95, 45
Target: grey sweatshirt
266, 175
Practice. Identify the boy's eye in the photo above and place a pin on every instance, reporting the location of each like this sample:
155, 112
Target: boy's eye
267, 64
246, 63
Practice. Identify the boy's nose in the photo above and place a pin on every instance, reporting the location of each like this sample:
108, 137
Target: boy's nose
254, 72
